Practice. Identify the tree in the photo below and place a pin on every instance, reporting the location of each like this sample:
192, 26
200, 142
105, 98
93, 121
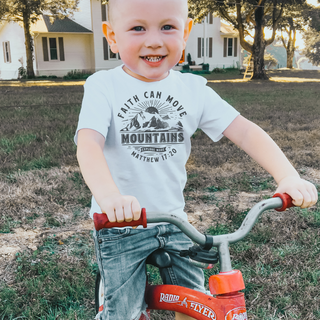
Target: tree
312, 46
312, 36
295, 18
290, 23
245, 16
26, 12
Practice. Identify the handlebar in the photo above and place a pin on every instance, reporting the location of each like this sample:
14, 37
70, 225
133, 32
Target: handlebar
280, 202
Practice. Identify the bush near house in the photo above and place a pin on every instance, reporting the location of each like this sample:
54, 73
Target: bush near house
77, 74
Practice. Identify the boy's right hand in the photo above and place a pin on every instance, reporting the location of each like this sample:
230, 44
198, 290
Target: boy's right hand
120, 208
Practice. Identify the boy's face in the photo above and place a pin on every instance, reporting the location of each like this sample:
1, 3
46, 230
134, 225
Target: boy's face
149, 35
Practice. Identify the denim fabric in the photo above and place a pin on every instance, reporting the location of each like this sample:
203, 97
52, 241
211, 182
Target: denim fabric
121, 255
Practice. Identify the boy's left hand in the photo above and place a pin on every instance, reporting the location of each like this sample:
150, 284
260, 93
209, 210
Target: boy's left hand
303, 193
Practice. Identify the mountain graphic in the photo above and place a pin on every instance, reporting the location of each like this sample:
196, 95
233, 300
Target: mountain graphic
151, 120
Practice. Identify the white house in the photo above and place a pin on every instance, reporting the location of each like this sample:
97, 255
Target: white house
215, 43
79, 44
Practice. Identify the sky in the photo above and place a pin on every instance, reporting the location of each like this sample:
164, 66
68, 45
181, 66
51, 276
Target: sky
313, 2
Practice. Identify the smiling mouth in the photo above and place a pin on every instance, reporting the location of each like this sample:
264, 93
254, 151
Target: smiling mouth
153, 58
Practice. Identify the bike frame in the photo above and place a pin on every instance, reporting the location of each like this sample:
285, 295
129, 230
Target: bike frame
225, 301
196, 304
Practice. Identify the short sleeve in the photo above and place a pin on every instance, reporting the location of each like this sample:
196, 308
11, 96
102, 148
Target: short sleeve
217, 115
96, 112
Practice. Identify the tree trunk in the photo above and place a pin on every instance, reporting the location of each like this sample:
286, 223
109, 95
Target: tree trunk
290, 55
259, 45
28, 43
291, 46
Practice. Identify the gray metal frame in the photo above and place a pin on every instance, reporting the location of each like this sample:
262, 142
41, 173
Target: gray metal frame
221, 241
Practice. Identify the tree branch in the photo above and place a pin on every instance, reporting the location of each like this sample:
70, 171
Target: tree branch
275, 21
283, 41
245, 45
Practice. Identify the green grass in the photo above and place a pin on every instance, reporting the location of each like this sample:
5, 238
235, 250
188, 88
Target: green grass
49, 284
279, 259
37, 137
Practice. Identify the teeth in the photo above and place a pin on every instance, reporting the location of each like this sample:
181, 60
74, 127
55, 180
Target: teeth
153, 59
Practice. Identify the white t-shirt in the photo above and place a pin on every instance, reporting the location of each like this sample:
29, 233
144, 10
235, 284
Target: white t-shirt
148, 126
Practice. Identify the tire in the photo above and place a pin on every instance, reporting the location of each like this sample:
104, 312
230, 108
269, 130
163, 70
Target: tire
99, 292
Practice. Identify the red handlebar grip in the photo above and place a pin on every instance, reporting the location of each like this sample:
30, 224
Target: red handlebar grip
101, 221
286, 201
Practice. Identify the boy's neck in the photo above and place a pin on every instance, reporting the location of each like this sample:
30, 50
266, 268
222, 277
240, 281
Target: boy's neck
141, 78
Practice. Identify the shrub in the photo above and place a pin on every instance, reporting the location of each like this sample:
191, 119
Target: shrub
205, 67
77, 74
219, 70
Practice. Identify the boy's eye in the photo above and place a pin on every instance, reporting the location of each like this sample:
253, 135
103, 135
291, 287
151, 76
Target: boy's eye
138, 28
167, 27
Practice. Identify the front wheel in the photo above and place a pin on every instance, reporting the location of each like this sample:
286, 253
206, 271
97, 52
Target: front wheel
99, 293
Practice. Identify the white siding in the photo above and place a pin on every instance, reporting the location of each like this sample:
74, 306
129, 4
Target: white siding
77, 51
83, 15
100, 63
13, 33
206, 30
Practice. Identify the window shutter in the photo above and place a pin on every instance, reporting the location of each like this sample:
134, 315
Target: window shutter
45, 49
199, 47
105, 49
103, 12
8, 52
210, 18
4, 51
225, 46
235, 47
210, 47
230, 44
61, 49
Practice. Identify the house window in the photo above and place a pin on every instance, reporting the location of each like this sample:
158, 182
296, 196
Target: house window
53, 49
107, 53
6, 52
202, 47
230, 47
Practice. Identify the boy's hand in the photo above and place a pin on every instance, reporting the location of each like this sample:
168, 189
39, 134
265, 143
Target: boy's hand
303, 193
120, 208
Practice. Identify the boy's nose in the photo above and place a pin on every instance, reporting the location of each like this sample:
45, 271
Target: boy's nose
153, 40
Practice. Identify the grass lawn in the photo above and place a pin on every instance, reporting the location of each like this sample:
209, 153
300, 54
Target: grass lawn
47, 263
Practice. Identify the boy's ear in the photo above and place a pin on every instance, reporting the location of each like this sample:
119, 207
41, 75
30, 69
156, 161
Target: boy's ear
187, 29
110, 36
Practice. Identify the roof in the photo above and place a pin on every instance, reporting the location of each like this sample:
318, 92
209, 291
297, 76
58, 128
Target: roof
227, 29
43, 25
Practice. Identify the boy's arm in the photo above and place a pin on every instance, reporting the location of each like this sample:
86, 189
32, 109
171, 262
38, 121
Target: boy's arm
97, 176
258, 144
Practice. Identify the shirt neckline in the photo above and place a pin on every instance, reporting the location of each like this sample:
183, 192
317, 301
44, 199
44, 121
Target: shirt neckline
127, 75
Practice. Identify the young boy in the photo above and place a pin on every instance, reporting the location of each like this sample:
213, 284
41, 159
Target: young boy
133, 142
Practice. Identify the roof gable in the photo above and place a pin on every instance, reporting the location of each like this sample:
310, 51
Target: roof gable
43, 25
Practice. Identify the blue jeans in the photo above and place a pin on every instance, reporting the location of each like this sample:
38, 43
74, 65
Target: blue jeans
121, 256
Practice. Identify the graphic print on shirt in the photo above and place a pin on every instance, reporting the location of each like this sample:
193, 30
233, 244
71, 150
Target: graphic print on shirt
152, 126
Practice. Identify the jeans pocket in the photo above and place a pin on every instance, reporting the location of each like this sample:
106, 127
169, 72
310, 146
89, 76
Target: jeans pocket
112, 234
